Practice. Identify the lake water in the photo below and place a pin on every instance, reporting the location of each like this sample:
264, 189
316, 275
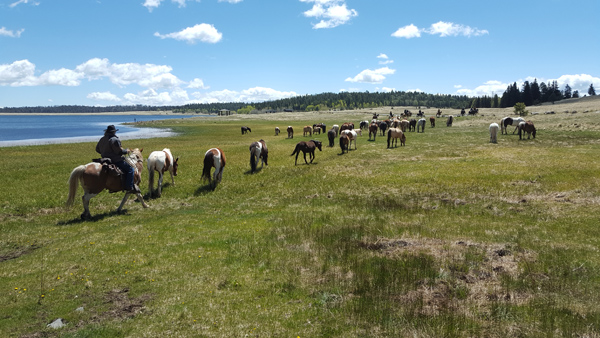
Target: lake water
18, 130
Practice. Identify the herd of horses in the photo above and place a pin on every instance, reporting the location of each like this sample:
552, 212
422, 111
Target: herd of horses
95, 177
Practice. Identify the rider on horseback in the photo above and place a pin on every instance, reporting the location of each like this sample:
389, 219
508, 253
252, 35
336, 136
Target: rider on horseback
110, 147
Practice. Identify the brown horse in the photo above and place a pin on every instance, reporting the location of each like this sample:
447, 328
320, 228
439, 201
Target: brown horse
526, 127
344, 142
245, 130
214, 157
290, 131
258, 150
308, 130
93, 179
373, 130
432, 121
393, 135
306, 147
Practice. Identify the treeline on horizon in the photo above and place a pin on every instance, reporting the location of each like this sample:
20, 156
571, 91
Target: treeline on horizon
530, 94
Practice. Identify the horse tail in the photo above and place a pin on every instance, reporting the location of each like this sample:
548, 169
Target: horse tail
150, 176
389, 137
253, 162
296, 150
76, 175
208, 164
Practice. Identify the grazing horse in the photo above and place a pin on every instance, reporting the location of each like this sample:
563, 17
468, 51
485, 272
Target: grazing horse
337, 129
509, 121
290, 131
412, 124
352, 136
161, 161
93, 178
276, 131
306, 147
331, 136
245, 130
347, 126
494, 133
358, 131
308, 130
449, 121
319, 126
404, 125
373, 130
421, 125
214, 157
528, 128
382, 127
258, 150
344, 142
364, 124
432, 121
393, 135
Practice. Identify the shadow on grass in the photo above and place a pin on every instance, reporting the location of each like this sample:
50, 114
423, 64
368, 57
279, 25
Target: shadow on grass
94, 218
205, 189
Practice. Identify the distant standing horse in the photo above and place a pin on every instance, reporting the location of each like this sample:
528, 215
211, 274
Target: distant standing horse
93, 179
373, 130
432, 121
393, 135
494, 133
308, 130
245, 130
290, 132
421, 125
258, 150
509, 121
161, 161
344, 142
449, 121
352, 136
331, 136
214, 157
412, 124
382, 127
276, 131
306, 147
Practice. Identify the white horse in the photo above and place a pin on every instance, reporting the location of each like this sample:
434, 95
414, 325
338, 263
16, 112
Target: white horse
358, 131
352, 135
161, 161
494, 133
421, 124
337, 129
509, 121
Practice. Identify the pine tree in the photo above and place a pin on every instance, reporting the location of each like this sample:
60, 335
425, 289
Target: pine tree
527, 96
535, 92
567, 91
591, 90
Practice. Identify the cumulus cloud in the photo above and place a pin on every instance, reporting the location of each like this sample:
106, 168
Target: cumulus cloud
408, 32
202, 32
11, 33
122, 74
440, 28
103, 96
256, 94
152, 4
332, 13
231, 1
489, 88
372, 76
197, 83
22, 73
579, 82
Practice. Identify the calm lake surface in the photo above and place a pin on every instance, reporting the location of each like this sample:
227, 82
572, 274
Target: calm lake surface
17, 130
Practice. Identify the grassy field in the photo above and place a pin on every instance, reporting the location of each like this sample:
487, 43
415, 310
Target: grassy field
449, 236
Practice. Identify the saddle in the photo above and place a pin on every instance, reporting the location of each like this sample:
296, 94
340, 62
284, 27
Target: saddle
108, 167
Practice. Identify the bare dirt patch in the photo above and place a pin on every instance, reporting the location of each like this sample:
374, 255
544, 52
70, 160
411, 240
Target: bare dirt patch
19, 252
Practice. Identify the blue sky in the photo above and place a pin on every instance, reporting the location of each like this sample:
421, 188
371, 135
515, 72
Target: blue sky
174, 52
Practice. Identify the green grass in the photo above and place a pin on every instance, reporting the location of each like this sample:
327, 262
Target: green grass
448, 236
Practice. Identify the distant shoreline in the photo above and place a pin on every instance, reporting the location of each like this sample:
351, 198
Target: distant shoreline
107, 113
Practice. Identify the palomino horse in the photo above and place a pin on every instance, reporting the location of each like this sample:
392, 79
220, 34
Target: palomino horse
290, 131
306, 147
393, 135
94, 179
161, 161
373, 130
214, 157
276, 131
331, 136
494, 133
352, 136
245, 130
258, 150
308, 130
509, 121
421, 125
526, 127
344, 142
432, 121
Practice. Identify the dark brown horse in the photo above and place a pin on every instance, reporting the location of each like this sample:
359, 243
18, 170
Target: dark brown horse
245, 130
373, 130
306, 147
344, 142
93, 179
290, 131
331, 136
432, 121
214, 157
258, 150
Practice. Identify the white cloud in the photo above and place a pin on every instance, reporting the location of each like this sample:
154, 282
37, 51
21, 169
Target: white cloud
580, 82
408, 32
14, 4
332, 13
152, 4
442, 28
231, 1
60, 77
103, 96
489, 88
202, 32
372, 76
386, 89
386, 62
197, 83
10, 33
256, 94
18, 73
382, 56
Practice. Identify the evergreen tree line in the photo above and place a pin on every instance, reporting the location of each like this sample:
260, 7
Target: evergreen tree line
534, 93
530, 94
